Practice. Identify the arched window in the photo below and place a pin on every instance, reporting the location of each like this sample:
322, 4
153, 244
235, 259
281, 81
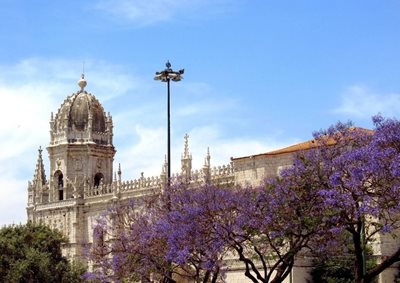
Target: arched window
59, 181
98, 179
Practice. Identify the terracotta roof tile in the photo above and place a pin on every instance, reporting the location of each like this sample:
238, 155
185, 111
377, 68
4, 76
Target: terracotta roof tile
298, 147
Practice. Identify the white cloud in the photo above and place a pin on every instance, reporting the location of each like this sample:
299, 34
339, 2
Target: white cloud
12, 201
361, 102
56, 75
147, 12
145, 155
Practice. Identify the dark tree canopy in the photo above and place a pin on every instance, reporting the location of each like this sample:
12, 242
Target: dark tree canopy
32, 253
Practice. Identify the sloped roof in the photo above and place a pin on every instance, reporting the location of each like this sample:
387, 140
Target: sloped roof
290, 149
298, 147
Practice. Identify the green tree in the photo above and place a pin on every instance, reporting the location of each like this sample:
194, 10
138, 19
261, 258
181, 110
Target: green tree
338, 268
32, 253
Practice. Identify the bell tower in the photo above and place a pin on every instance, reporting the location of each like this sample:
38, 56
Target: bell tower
81, 147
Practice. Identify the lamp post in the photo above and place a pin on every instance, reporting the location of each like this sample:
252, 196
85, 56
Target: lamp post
166, 76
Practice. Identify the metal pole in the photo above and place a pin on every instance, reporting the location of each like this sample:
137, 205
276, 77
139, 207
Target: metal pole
169, 136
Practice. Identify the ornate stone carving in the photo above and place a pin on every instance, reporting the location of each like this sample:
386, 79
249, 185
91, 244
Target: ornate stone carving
99, 163
78, 164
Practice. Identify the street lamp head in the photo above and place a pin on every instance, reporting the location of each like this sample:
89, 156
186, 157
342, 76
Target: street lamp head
161, 76
169, 74
176, 77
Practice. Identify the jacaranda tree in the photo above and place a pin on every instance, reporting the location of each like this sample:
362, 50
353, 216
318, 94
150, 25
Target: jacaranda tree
191, 232
208, 225
192, 228
285, 216
360, 187
158, 237
268, 226
125, 246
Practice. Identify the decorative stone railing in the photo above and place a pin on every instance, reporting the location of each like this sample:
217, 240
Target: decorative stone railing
143, 182
55, 205
224, 170
80, 136
217, 175
58, 137
220, 174
102, 189
103, 137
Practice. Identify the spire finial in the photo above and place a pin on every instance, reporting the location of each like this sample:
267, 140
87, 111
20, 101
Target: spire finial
207, 159
186, 150
168, 65
165, 165
39, 176
82, 82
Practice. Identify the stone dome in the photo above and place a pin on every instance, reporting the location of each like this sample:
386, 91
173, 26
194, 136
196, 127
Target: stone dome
81, 117
75, 112
83, 106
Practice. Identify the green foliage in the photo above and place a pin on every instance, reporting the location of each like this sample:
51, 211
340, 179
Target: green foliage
32, 253
334, 270
339, 268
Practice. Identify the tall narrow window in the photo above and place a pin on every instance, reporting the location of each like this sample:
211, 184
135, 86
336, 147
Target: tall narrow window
98, 179
59, 179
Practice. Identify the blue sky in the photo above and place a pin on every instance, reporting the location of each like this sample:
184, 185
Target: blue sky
259, 75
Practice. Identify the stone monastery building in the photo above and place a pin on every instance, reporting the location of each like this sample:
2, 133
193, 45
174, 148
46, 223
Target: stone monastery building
82, 181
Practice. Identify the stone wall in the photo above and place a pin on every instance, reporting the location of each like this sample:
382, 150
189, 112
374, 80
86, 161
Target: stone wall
253, 170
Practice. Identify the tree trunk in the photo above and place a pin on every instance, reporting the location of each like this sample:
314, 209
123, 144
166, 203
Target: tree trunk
359, 259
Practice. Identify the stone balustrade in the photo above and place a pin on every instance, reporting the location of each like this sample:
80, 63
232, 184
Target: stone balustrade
59, 137
217, 175
223, 170
55, 205
100, 190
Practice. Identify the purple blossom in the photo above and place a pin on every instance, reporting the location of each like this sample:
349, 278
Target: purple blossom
336, 230
387, 228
